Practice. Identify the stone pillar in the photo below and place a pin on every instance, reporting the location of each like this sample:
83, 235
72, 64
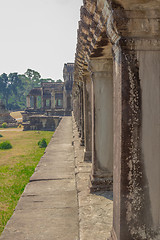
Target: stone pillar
102, 124
53, 99
35, 102
79, 110
71, 101
64, 99
28, 101
87, 116
137, 139
42, 100
76, 104
82, 114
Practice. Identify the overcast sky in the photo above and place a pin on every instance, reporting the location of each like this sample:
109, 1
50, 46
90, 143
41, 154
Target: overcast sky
38, 34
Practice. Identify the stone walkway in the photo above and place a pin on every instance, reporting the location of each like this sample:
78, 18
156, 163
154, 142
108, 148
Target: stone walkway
95, 210
56, 204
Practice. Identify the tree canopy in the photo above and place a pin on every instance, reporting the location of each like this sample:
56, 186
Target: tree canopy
15, 87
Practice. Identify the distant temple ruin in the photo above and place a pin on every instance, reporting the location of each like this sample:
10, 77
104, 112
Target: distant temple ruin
48, 103
5, 116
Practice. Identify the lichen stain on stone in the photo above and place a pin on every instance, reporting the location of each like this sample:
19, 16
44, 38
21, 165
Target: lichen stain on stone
135, 197
135, 200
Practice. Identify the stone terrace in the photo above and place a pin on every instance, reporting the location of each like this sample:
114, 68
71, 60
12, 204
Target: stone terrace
56, 204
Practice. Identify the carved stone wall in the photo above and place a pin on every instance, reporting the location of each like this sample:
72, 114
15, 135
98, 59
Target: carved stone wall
5, 116
128, 32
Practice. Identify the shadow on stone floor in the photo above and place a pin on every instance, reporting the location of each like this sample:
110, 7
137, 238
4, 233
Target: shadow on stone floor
106, 194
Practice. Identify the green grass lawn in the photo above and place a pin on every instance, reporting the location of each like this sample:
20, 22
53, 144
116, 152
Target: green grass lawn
17, 166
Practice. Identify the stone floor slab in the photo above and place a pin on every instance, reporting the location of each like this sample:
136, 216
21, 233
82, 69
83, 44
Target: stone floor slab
57, 203
48, 208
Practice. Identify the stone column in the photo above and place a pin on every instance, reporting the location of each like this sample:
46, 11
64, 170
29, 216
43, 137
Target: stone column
64, 99
79, 110
71, 101
87, 116
102, 124
76, 104
35, 102
42, 100
137, 139
53, 99
82, 114
28, 101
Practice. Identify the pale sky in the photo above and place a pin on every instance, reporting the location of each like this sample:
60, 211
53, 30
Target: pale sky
38, 34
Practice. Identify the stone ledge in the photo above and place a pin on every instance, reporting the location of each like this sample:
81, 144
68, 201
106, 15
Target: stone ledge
99, 183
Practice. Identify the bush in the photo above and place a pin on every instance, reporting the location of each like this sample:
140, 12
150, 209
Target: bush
1, 135
5, 145
42, 143
4, 125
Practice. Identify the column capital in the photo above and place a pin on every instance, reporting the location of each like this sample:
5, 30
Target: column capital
101, 68
86, 76
100, 65
86, 73
134, 29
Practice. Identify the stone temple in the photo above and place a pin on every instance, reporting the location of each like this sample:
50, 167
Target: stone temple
5, 117
116, 105
48, 103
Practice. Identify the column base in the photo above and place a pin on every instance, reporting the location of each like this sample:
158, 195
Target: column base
113, 235
79, 133
88, 156
82, 142
101, 182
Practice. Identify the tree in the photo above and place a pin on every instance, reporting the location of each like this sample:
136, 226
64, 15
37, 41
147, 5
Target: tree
14, 82
9, 86
15, 87
34, 77
59, 80
4, 87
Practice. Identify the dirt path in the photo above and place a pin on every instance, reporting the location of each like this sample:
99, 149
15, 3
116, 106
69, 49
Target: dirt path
11, 130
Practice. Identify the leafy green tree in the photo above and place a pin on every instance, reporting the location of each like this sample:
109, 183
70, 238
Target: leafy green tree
18, 87
14, 82
15, 87
34, 77
26, 84
9, 86
4, 87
